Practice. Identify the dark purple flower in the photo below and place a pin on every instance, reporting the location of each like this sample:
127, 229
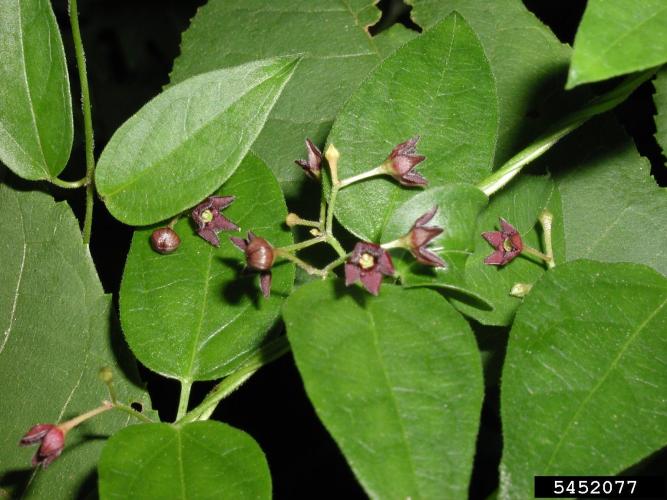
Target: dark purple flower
165, 240
312, 166
368, 263
51, 439
259, 256
401, 162
507, 243
210, 221
420, 236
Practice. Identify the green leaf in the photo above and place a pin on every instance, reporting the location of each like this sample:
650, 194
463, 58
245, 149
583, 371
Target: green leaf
583, 387
520, 204
613, 210
396, 379
617, 37
660, 100
440, 87
56, 333
35, 102
187, 141
195, 314
337, 53
459, 205
527, 60
194, 461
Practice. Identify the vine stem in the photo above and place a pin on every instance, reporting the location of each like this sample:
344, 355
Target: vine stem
87, 119
514, 165
265, 355
184, 399
69, 184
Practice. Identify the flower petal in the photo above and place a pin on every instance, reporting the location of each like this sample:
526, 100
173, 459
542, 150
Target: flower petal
372, 281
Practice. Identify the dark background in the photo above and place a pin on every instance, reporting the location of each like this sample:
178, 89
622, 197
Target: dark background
130, 46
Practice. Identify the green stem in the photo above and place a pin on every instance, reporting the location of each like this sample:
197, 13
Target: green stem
69, 184
87, 119
184, 399
538, 254
331, 240
328, 228
265, 355
296, 260
303, 244
332, 265
514, 165
131, 411
374, 172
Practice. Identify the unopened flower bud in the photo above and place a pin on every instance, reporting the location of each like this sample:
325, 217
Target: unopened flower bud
312, 165
259, 256
165, 240
106, 374
292, 219
520, 290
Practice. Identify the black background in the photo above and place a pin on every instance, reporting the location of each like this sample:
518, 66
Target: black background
130, 46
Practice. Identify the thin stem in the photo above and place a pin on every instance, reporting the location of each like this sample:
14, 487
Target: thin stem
323, 212
69, 184
131, 411
296, 260
328, 229
331, 240
303, 244
306, 222
184, 399
265, 355
173, 222
374, 172
537, 253
70, 424
399, 243
546, 219
332, 265
87, 119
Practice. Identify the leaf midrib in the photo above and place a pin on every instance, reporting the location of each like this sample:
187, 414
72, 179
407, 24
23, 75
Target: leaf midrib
392, 398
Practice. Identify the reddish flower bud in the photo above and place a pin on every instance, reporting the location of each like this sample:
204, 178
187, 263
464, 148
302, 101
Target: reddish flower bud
368, 263
507, 242
420, 236
312, 166
210, 221
165, 240
259, 256
401, 162
52, 441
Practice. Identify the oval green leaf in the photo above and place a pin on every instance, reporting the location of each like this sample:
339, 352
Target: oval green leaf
520, 203
195, 314
617, 37
201, 460
396, 379
440, 87
584, 381
660, 100
187, 141
338, 52
459, 205
35, 102
56, 332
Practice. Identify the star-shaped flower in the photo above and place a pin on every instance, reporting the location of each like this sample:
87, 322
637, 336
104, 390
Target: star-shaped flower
312, 166
401, 162
259, 256
51, 439
210, 221
420, 236
368, 263
507, 242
